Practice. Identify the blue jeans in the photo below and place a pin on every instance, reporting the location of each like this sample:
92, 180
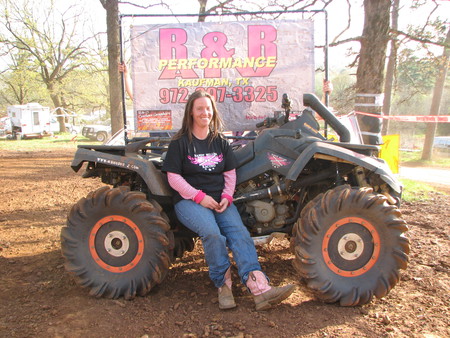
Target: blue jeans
217, 232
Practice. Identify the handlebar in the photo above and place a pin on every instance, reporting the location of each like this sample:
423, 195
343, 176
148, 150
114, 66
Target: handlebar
268, 122
260, 124
312, 101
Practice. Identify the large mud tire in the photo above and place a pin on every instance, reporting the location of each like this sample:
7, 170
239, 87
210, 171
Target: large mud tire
116, 243
349, 246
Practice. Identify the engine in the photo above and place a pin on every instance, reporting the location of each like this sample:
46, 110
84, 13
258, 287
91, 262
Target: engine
266, 214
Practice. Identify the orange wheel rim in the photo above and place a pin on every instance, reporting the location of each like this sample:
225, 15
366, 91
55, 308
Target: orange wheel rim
376, 247
136, 231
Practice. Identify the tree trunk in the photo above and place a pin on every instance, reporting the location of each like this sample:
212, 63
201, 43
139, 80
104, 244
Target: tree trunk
370, 72
57, 103
115, 87
390, 70
202, 10
436, 101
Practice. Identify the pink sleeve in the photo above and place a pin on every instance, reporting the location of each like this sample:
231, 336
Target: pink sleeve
187, 191
230, 184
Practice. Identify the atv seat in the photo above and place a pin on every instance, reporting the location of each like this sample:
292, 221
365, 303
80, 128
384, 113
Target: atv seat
100, 147
366, 149
245, 154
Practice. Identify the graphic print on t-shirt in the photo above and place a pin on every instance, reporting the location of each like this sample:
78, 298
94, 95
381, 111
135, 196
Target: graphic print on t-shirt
206, 161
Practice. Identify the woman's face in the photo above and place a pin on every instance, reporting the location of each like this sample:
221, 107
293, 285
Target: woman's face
202, 112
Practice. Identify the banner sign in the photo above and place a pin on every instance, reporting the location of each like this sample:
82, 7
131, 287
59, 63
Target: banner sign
246, 66
412, 118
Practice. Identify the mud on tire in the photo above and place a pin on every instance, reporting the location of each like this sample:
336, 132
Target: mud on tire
116, 243
349, 245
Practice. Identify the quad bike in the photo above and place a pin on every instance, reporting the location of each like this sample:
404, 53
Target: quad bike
336, 201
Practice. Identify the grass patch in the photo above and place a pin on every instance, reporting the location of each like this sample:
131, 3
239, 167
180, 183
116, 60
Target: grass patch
414, 191
413, 159
62, 140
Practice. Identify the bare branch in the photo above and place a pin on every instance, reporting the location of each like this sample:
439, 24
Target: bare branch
427, 22
349, 21
338, 43
221, 5
161, 3
419, 39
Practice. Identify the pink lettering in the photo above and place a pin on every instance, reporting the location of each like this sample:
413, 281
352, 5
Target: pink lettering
260, 43
215, 48
171, 43
172, 46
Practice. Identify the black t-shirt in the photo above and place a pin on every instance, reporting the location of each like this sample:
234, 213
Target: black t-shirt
201, 163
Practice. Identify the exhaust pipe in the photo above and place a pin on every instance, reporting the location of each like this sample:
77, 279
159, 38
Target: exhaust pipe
313, 101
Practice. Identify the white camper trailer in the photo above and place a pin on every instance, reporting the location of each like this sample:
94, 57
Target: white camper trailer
30, 120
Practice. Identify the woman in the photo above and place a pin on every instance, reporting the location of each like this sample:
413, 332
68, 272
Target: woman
200, 167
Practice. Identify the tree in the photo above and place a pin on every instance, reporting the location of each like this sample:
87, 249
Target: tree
115, 87
51, 40
21, 82
390, 70
370, 72
437, 96
415, 69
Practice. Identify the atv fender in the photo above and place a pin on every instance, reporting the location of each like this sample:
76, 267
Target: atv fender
153, 178
373, 164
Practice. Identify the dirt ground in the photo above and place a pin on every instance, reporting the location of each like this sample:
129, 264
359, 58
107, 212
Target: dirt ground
38, 298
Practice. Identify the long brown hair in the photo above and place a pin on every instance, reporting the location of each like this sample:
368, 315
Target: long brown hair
216, 125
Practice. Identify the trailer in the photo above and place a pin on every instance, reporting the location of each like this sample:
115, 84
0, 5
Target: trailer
29, 120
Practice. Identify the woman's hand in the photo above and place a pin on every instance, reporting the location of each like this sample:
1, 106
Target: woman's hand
327, 87
223, 205
210, 203
123, 68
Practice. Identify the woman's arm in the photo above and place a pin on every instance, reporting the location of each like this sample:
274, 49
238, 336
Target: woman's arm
187, 191
127, 79
230, 185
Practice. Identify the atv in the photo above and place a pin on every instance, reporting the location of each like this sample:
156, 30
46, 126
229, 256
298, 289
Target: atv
336, 202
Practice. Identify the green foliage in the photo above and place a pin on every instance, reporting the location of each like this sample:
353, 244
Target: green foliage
51, 51
342, 97
86, 88
21, 83
414, 191
415, 72
418, 62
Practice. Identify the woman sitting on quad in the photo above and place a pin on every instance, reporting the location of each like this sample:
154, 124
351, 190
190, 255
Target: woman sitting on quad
200, 167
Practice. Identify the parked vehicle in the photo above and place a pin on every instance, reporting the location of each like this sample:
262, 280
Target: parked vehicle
30, 120
96, 132
70, 121
55, 127
337, 202
5, 126
441, 145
